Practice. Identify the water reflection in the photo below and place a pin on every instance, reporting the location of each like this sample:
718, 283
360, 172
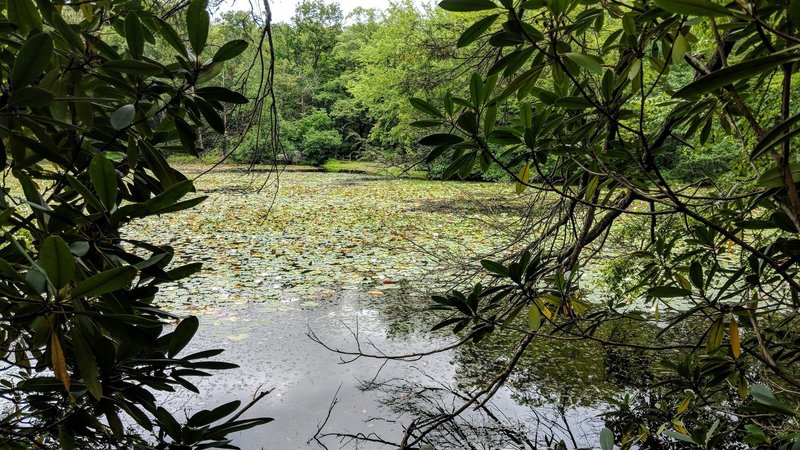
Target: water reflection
555, 392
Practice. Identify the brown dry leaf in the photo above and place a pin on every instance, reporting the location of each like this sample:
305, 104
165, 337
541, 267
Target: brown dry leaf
58, 361
735, 344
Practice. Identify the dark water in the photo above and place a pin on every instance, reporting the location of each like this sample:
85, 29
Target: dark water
377, 398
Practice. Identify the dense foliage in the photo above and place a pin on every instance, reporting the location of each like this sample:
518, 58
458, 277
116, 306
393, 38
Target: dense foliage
347, 77
589, 106
88, 106
351, 76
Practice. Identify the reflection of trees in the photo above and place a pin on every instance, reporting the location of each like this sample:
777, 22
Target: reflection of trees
558, 386
487, 427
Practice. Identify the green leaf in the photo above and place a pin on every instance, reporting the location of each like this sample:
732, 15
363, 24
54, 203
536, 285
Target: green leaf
169, 197
104, 282
211, 116
534, 318
696, 275
794, 12
524, 79
715, 334
702, 8
440, 139
591, 63
209, 72
132, 67
56, 261
87, 195
635, 68
764, 396
226, 428
775, 136
731, 74
476, 89
171, 36
123, 117
230, 50
206, 417
33, 58
591, 188
607, 85
679, 436
773, 178
575, 102
24, 14
679, 48
30, 97
168, 423
668, 292
606, 439
197, 22
187, 135
494, 268
222, 94
134, 35
86, 363
474, 32
629, 24
467, 5
67, 32
425, 107
183, 333
458, 165
466, 165
436, 152
104, 179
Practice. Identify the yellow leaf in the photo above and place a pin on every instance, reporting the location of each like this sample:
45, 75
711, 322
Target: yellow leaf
735, 344
58, 361
578, 306
523, 176
742, 387
684, 404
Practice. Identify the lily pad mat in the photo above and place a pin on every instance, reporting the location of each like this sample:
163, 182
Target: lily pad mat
296, 238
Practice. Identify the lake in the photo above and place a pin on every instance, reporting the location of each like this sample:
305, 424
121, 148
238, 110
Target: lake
352, 259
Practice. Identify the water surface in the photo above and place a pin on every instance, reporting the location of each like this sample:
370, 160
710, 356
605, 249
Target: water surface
352, 259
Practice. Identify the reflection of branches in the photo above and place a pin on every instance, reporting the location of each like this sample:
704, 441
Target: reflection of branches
422, 426
433, 401
316, 436
358, 353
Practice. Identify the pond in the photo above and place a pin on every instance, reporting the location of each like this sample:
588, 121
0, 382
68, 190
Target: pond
351, 259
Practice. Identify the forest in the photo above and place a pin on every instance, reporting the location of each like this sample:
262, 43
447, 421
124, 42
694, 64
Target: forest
345, 96
483, 224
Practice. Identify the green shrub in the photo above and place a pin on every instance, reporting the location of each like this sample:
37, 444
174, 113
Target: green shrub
84, 344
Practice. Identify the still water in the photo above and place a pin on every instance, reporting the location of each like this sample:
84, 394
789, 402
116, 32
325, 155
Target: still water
377, 398
352, 260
